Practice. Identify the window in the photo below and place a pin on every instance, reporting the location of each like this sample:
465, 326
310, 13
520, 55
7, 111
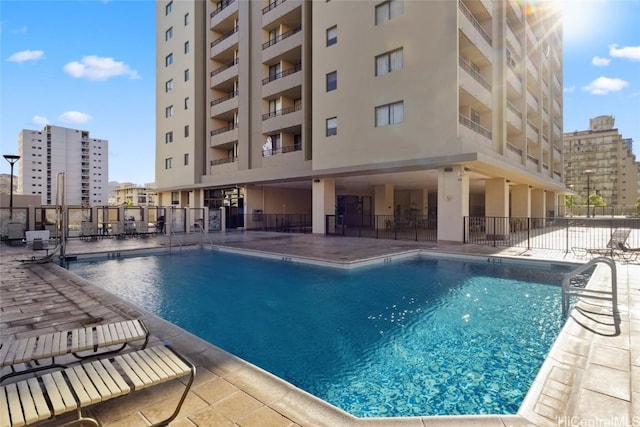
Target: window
168, 137
332, 35
168, 60
332, 81
186, 47
186, 159
388, 10
175, 198
186, 19
186, 131
168, 112
274, 72
186, 75
388, 62
168, 34
168, 8
332, 126
390, 114
168, 86
475, 116
186, 103
274, 107
167, 162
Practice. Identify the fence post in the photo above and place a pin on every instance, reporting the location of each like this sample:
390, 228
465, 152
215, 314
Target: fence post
566, 250
528, 233
495, 235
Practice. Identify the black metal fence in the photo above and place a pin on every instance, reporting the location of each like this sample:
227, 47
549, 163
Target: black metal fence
566, 233
417, 227
287, 223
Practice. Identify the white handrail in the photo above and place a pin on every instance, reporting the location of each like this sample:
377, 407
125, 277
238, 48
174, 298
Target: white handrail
568, 290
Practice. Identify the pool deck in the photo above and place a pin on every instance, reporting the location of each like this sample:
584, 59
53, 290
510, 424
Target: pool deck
591, 376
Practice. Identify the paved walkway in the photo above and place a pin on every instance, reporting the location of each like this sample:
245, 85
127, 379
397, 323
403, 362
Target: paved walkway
591, 377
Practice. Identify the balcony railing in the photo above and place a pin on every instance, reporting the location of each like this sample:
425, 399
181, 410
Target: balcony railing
222, 6
282, 74
272, 5
223, 161
224, 129
224, 36
475, 74
515, 149
281, 112
224, 67
533, 159
534, 127
281, 37
514, 110
224, 98
475, 126
474, 22
285, 149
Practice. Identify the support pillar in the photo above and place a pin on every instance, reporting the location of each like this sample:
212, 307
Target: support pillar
552, 204
383, 204
496, 202
520, 201
324, 203
453, 203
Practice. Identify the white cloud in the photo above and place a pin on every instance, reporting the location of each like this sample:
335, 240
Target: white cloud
569, 89
26, 55
604, 85
74, 117
96, 68
600, 62
21, 30
628, 52
39, 120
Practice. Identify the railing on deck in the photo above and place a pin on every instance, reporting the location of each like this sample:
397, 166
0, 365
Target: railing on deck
414, 227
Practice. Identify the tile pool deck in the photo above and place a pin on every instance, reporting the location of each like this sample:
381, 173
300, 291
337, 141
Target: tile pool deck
591, 377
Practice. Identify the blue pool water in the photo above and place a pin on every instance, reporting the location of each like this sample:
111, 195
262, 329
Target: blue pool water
413, 337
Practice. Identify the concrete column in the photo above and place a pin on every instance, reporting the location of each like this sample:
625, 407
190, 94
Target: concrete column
538, 207
552, 204
383, 204
496, 197
520, 201
453, 202
424, 208
324, 203
223, 220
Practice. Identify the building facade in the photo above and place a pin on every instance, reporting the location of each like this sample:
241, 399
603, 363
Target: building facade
606, 158
84, 160
131, 194
447, 108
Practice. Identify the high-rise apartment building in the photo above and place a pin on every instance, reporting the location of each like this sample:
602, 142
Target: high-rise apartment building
84, 161
606, 158
372, 108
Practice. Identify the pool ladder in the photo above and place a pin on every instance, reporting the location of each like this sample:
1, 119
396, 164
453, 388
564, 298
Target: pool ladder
569, 290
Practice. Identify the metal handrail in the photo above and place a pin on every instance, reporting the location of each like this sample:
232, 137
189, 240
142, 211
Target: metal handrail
282, 112
220, 8
568, 290
224, 67
474, 126
282, 74
224, 98
475, 22
281, 37
224, 36
473, 73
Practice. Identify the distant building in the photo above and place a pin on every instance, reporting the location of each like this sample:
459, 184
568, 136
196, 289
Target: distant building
84, 161
615, 173
135, 195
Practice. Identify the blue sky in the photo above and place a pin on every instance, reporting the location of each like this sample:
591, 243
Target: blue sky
89, 64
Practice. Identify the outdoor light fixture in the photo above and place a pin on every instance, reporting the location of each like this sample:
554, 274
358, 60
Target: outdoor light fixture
12, 159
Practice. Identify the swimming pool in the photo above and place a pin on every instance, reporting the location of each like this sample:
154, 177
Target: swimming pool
414, 337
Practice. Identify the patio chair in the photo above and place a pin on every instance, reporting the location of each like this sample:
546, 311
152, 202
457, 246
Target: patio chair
77, 387
82, 343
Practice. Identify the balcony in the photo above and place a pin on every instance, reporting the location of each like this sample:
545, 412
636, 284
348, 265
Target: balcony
515, 8
282, 150
556, 84
532, 103
514, 116
224, 73
557, 130
512, 38
281, 44
224, 135
282, 119
474, 83
532, 70
474, 30
532, 132
533, 39
222, 12
277, 9
224, 42
223, 166
557, 110
221, 105
282, 81
283, 156
476, 127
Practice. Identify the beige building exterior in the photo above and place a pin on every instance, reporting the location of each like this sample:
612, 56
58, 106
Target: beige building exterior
131, 194
614, 172
83, 160
447, 108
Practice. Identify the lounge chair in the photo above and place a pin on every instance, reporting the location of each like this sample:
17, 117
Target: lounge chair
76, 387
83, 343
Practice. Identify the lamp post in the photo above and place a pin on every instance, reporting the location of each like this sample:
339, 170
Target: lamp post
12, 159
588, 172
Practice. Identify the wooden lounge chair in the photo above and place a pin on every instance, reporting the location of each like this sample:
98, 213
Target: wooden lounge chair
91, 341
76, 387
